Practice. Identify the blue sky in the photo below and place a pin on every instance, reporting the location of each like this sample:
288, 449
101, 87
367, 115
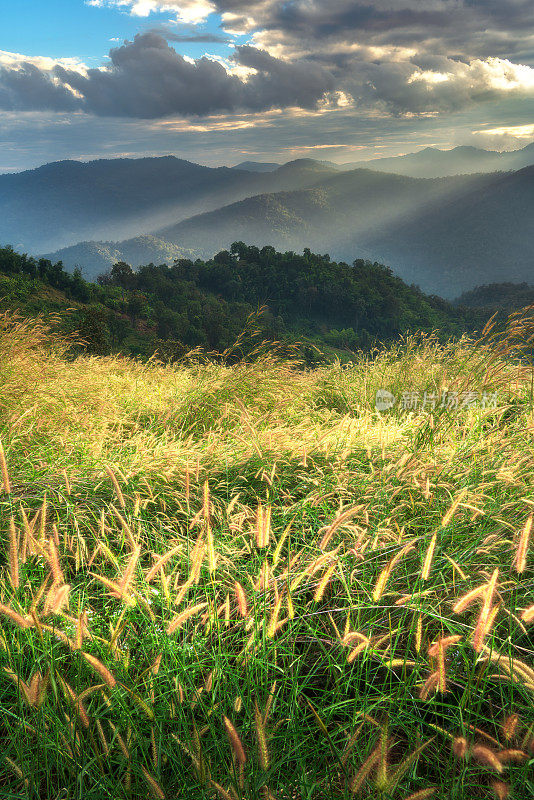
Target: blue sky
74, 29
342, 80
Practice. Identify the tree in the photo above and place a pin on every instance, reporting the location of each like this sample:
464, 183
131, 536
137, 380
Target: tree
118, 328
105, 279
93, 329
136, 306
123, 276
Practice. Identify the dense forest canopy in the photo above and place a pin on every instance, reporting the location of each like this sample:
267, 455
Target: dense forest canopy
334, 305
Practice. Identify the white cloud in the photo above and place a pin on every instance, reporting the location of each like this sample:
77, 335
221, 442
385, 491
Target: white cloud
427, 76
517, 131
44, 63
188, 11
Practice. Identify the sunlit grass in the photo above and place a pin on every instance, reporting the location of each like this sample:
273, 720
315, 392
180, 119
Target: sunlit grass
245, 582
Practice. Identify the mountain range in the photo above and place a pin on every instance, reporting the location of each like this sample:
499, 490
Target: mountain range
64, 202
447, 234
430, 162
433, 163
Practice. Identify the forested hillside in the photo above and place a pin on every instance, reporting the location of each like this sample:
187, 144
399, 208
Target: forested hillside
498, 296
430, 162
447, 235
342, 213
336, 306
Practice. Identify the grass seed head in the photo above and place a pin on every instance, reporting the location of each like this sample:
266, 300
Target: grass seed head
520, 561
486, 757
235, 742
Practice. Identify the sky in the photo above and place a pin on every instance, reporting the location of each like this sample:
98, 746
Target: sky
224, 81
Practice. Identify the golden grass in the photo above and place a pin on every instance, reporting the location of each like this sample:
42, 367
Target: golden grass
271, 521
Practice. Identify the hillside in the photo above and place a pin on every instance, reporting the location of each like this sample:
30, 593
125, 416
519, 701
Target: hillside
353, 212
498, 295
447, 235
93, 258
485, 235
63, 203
66, 202
337, 307
257, 166
348, 204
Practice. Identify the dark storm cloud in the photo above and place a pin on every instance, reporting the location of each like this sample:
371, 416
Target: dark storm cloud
403, 56
29, 88
468, 28
400, 56
147, 79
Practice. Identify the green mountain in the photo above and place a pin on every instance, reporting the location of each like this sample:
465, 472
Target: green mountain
257, 166
492, 296
94, 258
446, 235
335, 306
63, 203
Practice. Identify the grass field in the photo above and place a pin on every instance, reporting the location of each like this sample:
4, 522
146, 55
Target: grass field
245, 582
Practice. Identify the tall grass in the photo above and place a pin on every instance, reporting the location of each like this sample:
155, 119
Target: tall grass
245, 582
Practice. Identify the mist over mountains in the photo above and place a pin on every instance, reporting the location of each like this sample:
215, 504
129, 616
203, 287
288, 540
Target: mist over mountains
430, 162
60, 204
433, 163
445, 220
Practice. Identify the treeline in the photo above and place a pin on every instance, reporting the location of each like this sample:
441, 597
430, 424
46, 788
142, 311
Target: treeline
498, 296
206, 304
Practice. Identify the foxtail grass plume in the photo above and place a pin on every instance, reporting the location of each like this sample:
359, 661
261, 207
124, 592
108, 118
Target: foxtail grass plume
179, 620
261, 736
235, 742
325, 580
117, 488
386, 572
241, 599
425, 572
520, 561
500, 789
484, 755
3, 471
13, 554
161, 562
263, 526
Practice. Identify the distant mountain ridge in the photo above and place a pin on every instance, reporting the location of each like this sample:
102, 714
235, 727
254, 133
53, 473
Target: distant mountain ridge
62, 203
257, 166
447, 234
65, 202
434, 163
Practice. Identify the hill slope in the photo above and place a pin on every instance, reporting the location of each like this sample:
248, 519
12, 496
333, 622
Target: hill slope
60, 204
446, 235
95, 258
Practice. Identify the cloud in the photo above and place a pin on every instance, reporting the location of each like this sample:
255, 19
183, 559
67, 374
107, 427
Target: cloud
389, 57
148, 79
29, 83
443, 84
171, 36
186, 10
